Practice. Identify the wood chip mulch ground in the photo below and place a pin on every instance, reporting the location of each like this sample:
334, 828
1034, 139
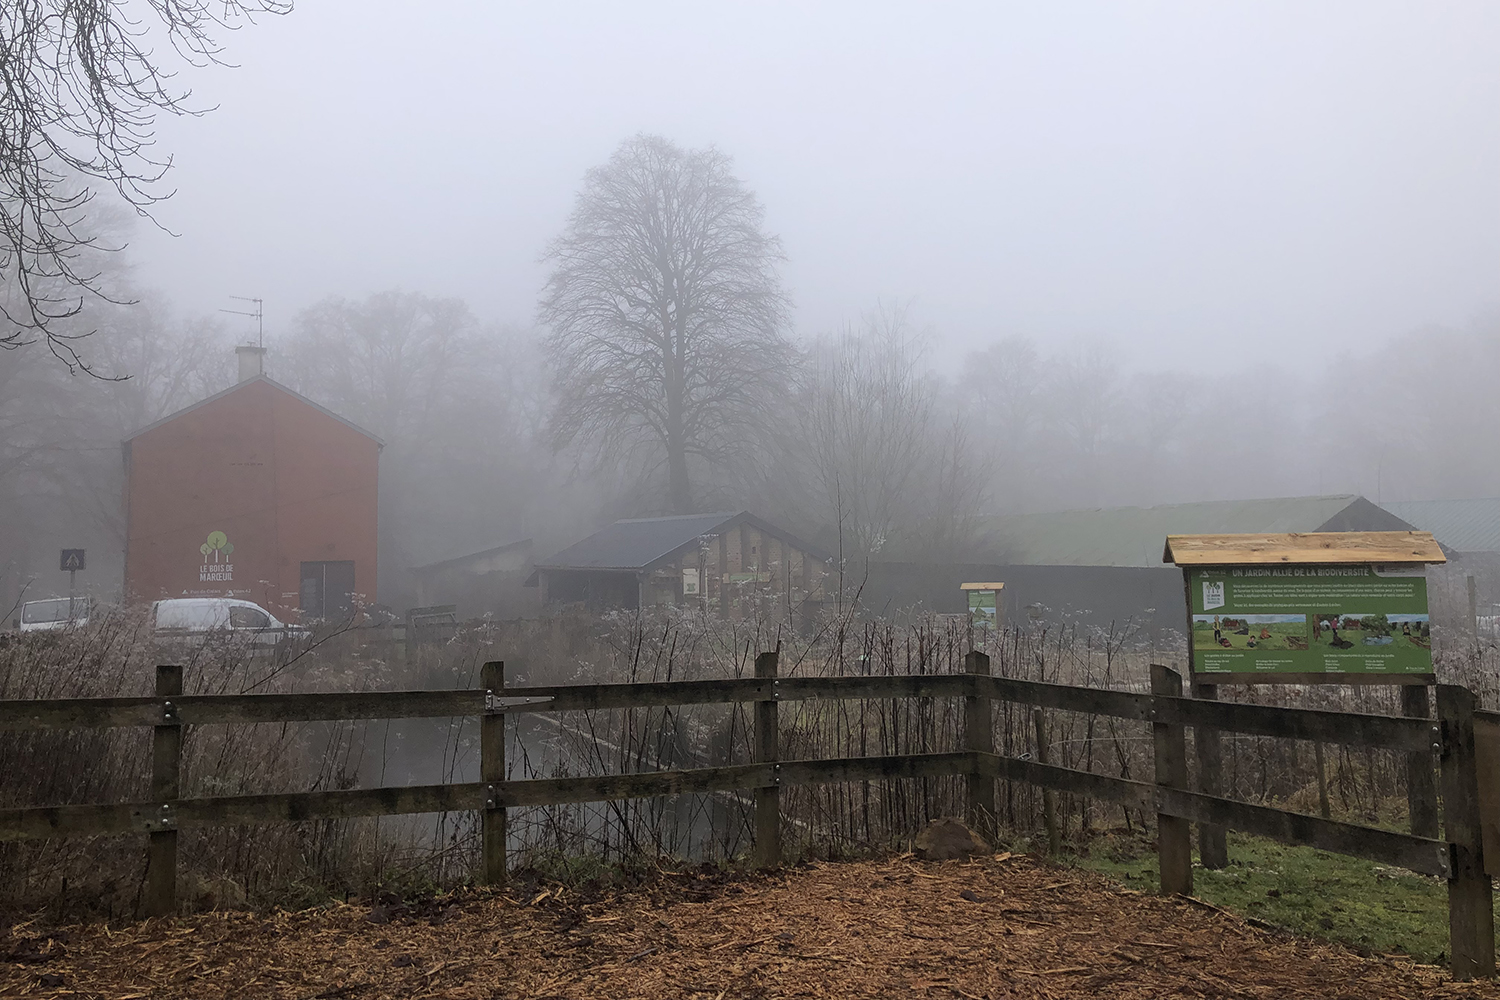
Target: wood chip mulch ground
1002, 927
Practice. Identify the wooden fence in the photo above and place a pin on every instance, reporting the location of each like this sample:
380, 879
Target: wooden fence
1459, 857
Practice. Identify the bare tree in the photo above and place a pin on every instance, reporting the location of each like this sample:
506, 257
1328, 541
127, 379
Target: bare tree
459, 406
388, 361
885, 458
82, 89
667, 316
1004, 393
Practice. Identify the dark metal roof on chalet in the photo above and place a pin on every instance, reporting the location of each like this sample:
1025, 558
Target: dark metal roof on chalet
1133, 536
640, 543
240, 385
1461, 525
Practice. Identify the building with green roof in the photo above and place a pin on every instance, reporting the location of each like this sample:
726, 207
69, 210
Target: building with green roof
1103, 566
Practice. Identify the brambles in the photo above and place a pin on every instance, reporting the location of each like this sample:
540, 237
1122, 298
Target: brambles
300, 864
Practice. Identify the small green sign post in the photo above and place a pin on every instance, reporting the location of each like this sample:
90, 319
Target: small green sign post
984, 603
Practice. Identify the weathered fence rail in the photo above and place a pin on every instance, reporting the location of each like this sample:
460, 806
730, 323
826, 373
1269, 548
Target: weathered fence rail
1471, 809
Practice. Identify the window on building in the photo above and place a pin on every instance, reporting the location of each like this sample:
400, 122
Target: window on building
327, 589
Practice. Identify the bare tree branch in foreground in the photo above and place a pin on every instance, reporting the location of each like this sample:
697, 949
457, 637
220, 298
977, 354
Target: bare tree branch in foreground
82, 86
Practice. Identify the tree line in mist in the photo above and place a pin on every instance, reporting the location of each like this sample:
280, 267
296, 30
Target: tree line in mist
664, 374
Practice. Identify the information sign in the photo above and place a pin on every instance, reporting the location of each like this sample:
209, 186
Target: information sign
1310, 619
984, 606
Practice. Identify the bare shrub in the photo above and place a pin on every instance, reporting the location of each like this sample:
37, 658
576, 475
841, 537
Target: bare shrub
288, 864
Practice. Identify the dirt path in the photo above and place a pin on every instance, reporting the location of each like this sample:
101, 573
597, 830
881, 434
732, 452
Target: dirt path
995, 928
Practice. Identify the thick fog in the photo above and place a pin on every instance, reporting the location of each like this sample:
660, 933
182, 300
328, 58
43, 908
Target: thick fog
1020, 258
1185, 178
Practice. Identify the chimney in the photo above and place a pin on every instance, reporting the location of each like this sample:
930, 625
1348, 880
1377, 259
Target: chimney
252, 361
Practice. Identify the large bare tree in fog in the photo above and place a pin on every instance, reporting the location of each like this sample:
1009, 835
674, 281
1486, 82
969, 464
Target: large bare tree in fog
666, 313
83, 84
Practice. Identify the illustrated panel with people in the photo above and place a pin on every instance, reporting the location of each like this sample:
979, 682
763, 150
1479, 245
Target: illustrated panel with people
1250, 631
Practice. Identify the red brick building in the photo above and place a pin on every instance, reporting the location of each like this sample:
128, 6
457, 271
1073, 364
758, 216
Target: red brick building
258, 493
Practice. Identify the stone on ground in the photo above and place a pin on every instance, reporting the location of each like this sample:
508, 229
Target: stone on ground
946, 839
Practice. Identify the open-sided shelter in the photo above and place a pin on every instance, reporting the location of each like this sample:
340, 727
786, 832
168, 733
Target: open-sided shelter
477, 581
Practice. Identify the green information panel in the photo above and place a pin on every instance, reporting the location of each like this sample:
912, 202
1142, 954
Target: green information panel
1310, 620
982, 609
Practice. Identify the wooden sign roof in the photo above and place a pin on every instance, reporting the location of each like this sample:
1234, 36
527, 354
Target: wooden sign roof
1304, 548
981, 586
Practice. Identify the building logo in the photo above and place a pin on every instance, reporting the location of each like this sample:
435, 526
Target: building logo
1213, 594
220, 570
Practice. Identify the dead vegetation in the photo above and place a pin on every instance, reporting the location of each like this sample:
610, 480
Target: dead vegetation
297, 865
998, 927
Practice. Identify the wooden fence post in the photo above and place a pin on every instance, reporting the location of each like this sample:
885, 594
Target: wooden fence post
979, 735
767, 799
166, 789
1471, 917
1213, 847
492, 771
1324, 809
1421, 779
1174, 849
1049, 796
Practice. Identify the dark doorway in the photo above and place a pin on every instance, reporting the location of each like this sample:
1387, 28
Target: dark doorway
327, 589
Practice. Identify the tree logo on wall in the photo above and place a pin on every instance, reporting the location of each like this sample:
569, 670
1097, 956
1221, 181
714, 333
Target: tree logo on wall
221, 570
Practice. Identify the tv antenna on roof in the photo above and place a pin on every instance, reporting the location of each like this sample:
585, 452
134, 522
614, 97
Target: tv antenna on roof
259, 315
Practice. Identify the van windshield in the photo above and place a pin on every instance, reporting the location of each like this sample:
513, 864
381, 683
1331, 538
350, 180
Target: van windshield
55, 610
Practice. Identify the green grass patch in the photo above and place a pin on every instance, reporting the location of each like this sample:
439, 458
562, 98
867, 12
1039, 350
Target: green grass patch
1360, 903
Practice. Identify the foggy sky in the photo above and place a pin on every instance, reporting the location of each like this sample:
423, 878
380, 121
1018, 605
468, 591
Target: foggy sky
1189, 179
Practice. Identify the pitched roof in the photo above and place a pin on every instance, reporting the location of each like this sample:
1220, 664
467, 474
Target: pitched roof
639, 543
456, 558
240, 385
1462, 525
1133, 536
1305, 548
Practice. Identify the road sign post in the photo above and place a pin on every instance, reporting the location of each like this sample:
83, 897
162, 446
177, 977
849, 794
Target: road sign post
72, 560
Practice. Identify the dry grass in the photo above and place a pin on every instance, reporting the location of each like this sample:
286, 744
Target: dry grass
1002, 927
300, 864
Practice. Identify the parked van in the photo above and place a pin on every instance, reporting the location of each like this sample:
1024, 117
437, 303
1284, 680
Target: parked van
197, 620
53, 613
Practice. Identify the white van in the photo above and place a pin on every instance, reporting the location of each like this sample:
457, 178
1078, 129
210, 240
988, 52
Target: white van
53, 613
197, 620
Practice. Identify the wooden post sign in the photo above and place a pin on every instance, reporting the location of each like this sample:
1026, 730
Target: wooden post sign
1320, 607
984, 603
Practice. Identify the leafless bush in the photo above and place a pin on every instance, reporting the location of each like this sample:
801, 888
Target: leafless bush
291, 863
